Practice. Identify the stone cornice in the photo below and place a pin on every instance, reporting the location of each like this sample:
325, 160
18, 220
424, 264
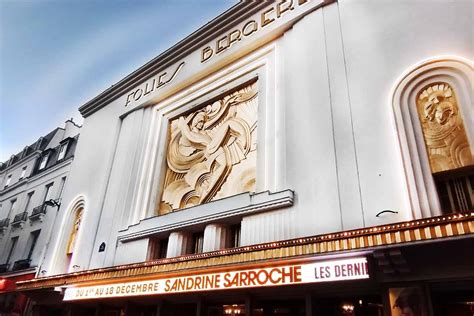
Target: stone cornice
222, 23
51, 169
235, 206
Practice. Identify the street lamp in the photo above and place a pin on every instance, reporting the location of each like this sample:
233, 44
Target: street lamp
53, 203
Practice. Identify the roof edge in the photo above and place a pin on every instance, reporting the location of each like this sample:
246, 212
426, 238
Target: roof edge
222, 23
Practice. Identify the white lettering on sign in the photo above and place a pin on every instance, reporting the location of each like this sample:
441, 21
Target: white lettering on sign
349, 269
325, 271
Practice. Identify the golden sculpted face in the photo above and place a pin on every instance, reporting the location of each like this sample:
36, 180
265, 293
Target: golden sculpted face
443, 129
212, 152
439, 105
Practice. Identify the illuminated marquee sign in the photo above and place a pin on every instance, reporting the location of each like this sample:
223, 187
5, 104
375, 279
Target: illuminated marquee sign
326, 271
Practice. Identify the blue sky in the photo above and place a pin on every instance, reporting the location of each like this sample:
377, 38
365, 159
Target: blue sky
55, 55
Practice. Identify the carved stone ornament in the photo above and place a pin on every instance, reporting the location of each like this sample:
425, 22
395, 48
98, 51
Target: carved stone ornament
75, 229
212, 152
443, 129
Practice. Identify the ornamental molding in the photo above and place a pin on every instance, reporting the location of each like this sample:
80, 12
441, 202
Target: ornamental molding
235, 206
455, 71
240, 30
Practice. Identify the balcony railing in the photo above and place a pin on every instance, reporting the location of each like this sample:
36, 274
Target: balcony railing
19, 219
4, 267
38, 213
21, 264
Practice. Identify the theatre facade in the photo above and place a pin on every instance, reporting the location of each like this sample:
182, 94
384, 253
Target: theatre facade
299, 157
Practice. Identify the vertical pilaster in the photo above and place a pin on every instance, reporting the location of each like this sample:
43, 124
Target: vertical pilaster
347, 168
215, 237
178, 244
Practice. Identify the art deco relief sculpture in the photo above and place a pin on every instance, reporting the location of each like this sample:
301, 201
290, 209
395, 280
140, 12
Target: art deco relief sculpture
212, 152
443, 129
75, 229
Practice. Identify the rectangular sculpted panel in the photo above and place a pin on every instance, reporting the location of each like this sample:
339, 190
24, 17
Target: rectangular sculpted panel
212, 152
443, 128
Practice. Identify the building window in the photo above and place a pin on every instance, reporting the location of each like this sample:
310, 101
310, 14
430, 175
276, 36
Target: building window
13, 242
456, 192
28, 200
32, 242
61, 188
23, 172
9, 179
24, 152
234, 241
158, 248
198, 242
62, 151
12, 207
44, 161
10, 161
47, 193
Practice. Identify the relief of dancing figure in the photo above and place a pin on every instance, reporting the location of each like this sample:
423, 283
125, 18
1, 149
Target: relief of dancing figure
205, 149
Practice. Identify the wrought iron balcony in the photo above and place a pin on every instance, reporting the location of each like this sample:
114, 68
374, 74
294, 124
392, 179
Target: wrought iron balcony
21, 264
4, 267
19, 219
38, 213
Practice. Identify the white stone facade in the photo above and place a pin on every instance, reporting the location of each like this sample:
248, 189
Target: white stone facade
331, 153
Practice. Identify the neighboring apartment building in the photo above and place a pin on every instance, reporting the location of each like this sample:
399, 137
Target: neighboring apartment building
31, 186
302, 157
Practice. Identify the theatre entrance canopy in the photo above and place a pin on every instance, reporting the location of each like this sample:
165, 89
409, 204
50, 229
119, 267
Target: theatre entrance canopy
374, 254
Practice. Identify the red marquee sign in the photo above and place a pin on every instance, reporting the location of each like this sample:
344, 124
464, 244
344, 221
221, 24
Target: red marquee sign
312, 272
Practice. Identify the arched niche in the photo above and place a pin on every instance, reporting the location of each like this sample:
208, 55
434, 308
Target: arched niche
68, 236
458, 74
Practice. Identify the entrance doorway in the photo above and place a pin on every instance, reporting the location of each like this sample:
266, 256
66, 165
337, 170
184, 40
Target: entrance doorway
279, 308
348, 306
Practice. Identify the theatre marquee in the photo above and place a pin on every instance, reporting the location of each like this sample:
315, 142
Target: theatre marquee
311, 272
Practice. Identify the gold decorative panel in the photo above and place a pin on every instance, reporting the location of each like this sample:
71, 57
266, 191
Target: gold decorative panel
75, 229
443, 129
212, 152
